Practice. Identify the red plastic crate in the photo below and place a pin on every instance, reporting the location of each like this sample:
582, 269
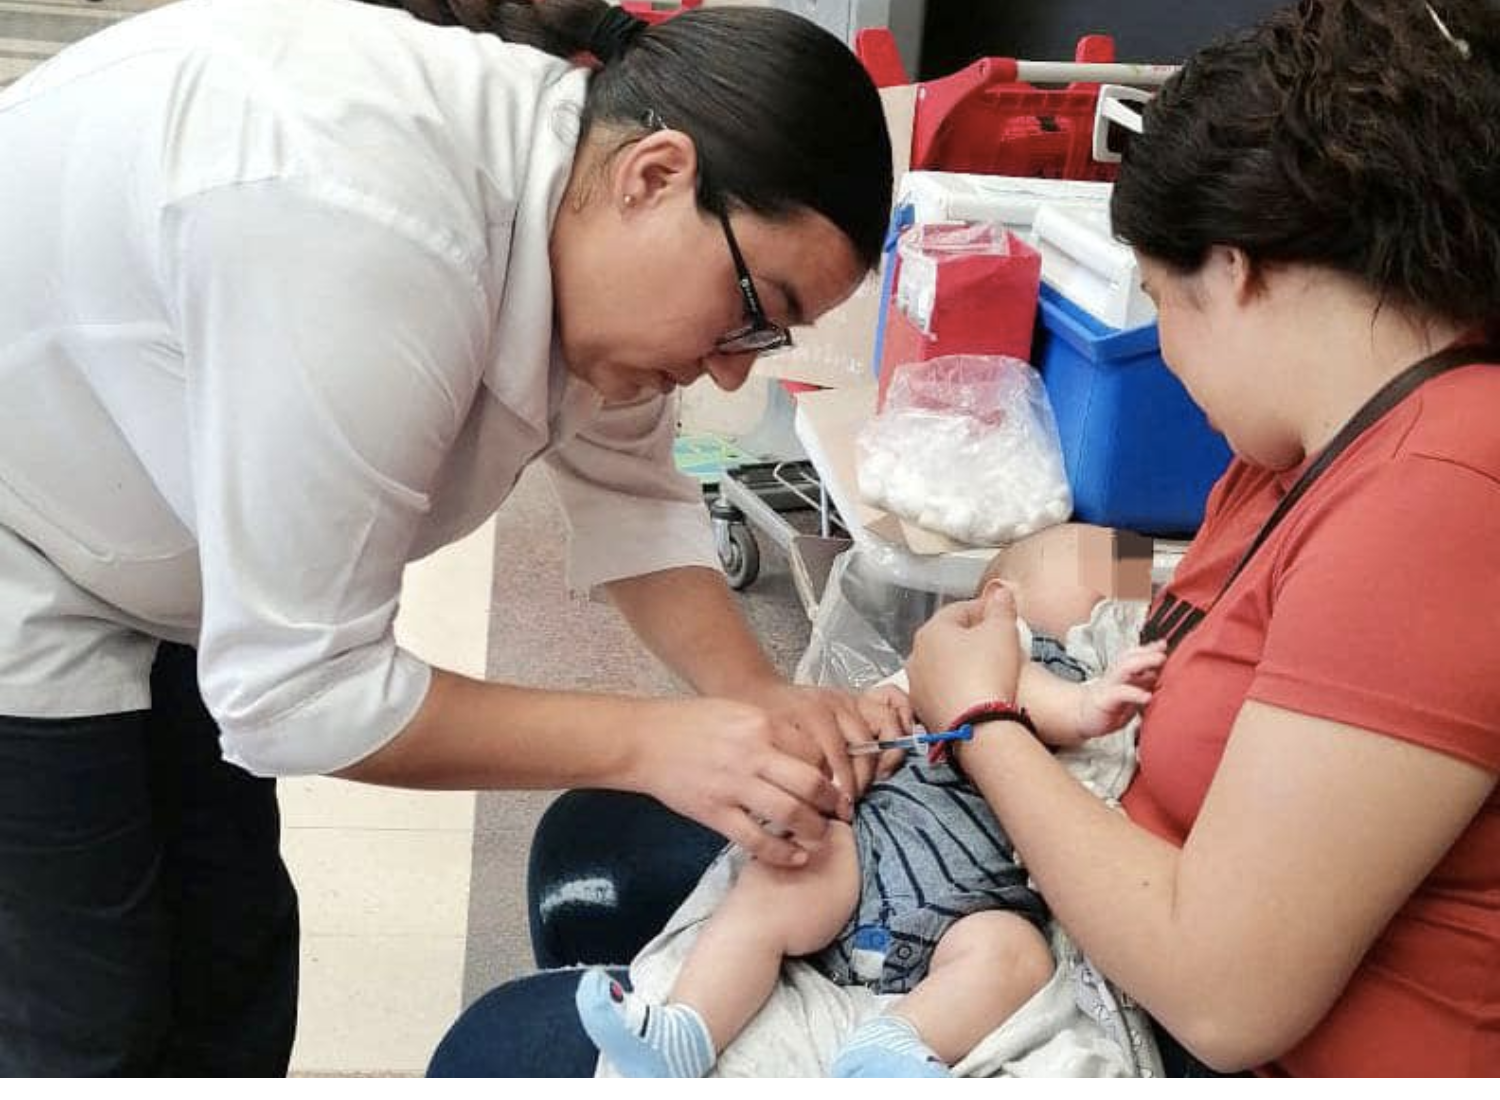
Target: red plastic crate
876, 49
983, 119
657, 13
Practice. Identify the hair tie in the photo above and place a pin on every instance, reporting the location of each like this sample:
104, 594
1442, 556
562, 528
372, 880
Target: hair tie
1459, 44
613, 34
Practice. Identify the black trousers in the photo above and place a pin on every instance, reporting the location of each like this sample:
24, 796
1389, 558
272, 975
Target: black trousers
147, 923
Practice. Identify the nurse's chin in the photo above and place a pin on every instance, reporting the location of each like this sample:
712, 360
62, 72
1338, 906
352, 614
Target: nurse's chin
652, 384
638, 387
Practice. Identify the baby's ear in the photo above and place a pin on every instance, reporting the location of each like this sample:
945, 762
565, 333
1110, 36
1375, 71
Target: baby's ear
989, 587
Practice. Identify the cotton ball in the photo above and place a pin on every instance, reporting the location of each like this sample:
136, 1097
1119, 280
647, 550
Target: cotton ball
878, 462
960, 533
930, 517
988, 532
905, 478
871, 483
1057, 510
959, 518
905, 496
972, 533
1031, 492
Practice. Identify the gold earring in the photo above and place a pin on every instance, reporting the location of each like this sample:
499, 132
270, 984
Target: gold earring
629, 201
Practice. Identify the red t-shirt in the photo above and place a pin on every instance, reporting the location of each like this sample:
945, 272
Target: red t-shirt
1376, 602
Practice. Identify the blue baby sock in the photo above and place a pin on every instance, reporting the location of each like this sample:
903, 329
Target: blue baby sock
887, 1046
642, 1039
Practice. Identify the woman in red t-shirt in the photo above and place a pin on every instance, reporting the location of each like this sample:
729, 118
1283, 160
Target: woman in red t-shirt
1307, 876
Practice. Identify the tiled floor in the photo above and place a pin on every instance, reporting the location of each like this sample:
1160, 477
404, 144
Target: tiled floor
384, 874
384, 883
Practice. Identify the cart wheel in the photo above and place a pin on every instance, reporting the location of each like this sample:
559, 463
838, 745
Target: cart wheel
740, 556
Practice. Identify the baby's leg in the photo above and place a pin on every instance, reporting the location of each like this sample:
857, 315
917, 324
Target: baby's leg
769, 914
984, 968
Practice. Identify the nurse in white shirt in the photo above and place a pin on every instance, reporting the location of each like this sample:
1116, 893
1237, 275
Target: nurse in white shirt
291, 292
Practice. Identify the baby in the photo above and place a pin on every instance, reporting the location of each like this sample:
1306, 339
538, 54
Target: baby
920, 896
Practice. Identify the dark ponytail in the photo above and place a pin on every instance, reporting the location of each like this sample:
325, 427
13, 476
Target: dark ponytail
1356, 135
783, 115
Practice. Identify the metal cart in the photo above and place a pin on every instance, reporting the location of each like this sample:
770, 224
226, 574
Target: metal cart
759, 495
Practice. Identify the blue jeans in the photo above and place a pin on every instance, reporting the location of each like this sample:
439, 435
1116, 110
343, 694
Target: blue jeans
606, 872
525, 1028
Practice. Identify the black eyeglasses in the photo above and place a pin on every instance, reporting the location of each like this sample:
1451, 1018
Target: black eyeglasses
761, 335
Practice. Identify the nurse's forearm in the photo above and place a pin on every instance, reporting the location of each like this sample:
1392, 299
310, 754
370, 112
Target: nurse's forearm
474, 735
689, 618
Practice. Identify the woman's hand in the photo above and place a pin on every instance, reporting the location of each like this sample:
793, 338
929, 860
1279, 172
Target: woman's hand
967, 653
731, 766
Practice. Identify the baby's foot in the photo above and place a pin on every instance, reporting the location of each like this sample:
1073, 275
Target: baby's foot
642, 1039
887, 1046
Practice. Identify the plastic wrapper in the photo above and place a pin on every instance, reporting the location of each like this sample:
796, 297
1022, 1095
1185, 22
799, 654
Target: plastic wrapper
865, 624
967, 446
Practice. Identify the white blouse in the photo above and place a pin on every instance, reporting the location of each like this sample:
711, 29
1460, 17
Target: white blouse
276, 320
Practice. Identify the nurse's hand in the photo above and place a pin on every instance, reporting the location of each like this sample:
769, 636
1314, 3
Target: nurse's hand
726, 764
966, 654
819, 724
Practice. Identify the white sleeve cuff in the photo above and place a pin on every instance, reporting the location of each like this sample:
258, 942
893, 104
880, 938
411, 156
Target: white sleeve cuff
368, 702
636, 537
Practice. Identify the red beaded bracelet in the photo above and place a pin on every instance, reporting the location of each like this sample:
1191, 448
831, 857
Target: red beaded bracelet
992, 710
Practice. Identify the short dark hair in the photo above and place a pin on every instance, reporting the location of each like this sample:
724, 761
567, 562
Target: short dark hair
783, 115
1350, 134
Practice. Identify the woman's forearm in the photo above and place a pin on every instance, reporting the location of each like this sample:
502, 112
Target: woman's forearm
1114, 887
1110, 882
1242, 940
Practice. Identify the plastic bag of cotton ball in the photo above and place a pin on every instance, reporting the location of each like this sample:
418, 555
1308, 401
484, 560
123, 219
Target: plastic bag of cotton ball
967, 446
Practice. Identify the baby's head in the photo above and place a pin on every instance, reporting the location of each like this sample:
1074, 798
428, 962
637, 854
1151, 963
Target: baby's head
1050, 604
1058, 575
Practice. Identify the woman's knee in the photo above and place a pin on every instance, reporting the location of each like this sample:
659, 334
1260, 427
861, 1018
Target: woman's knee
606, 871
525, 1028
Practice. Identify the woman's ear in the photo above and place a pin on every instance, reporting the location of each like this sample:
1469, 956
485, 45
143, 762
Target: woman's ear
1242, 277
660, 167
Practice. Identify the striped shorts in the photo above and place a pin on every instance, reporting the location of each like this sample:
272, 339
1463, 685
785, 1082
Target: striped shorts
930, 852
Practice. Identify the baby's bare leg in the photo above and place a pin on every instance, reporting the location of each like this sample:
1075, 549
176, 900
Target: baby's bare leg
770, 913
984, 968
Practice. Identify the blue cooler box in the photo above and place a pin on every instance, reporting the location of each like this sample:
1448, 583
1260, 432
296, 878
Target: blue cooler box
1139, 454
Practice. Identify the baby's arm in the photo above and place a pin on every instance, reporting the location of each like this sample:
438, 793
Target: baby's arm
1067, 714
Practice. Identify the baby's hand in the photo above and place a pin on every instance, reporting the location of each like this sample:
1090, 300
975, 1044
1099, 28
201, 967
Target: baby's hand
1112, 699
887, 710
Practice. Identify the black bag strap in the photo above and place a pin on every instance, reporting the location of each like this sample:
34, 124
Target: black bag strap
1389, 396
